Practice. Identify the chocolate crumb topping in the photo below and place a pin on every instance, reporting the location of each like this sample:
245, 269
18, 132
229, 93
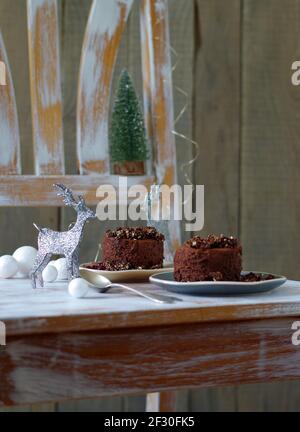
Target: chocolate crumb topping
249, 277
139, 233
213, 242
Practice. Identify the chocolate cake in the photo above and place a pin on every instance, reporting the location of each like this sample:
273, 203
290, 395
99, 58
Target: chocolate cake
132, 248
214, 258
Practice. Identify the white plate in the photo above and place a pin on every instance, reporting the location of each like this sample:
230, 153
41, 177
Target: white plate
166, 280
122, 275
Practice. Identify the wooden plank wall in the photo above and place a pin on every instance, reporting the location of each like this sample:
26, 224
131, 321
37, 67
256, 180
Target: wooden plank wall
234, 63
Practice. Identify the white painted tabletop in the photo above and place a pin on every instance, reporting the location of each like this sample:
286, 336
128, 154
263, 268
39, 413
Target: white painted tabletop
27, 311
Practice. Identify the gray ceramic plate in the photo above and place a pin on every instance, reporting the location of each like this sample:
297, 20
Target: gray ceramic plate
166, 280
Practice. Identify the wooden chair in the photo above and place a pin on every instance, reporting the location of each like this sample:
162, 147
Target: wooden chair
99, 52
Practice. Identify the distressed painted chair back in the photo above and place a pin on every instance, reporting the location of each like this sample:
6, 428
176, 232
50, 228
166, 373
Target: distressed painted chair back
99, 53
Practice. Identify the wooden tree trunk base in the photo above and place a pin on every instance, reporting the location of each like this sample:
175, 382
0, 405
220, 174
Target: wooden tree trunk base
128, 168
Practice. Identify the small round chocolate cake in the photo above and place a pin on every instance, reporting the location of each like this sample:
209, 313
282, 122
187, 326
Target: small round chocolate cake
133, 248
215, 258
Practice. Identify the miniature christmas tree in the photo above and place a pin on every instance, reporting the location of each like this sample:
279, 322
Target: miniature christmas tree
128, 142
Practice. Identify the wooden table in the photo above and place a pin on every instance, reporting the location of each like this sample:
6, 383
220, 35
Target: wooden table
110, 344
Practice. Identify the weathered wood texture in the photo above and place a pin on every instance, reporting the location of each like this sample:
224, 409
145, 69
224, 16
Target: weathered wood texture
217, 111
216, 123
162, 402
270, 138
13, 23
53, 310
182, 40
10, 136
79, 365
158, 94
269, 208
55, 314
73, 30
129, 56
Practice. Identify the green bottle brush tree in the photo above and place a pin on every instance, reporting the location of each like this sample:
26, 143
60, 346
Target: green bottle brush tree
128, 142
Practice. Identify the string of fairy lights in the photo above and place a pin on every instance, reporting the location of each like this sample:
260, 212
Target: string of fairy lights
186, 166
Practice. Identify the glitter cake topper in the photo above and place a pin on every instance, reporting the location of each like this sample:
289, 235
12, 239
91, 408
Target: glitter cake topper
62, 243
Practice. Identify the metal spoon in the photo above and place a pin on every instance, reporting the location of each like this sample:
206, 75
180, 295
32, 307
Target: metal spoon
103, 285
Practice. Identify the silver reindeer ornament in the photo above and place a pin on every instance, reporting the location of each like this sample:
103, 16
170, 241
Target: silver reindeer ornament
62, 243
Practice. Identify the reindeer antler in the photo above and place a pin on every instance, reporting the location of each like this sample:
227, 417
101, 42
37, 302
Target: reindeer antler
66, 194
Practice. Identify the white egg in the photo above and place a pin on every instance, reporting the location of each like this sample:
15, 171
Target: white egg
78, 288
8, 267
62, 270
25, 257
50, 273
